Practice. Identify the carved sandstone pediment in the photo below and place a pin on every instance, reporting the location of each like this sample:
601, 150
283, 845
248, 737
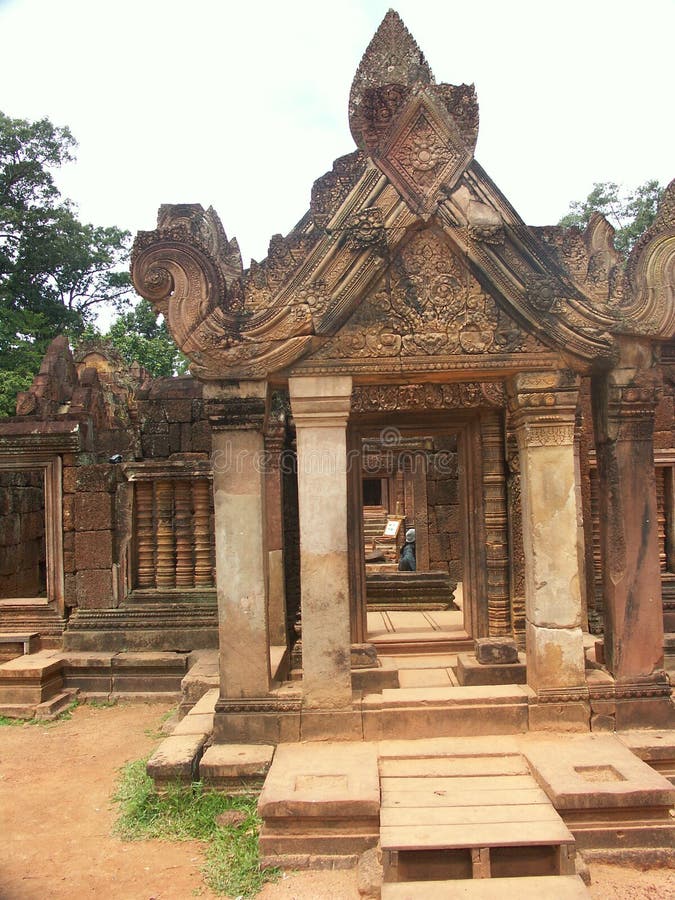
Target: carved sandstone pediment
428, 305
347, 284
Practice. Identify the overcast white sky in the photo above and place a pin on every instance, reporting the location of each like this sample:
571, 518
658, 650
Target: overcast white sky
242, 105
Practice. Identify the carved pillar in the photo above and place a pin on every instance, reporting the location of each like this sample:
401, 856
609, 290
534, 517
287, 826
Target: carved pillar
274, 445
185, 576
145, 534
202, 533
543, 409
320, 410
237, 422
421, 506
624, 401
166, 565
496, 536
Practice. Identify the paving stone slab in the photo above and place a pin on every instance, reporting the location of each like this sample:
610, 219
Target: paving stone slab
176, 759
596, 772
327, 779
447, 766
207, 703
195, 723
233, 761
494, 797
468, 815
538, 887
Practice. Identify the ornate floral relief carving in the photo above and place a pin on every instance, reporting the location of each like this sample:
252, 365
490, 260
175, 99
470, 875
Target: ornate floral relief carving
331, 190
429, 305
392, 60
650, 274
388, 398
365, 229
423, 153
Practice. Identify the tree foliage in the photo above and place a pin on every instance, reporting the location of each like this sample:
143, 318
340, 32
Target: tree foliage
55, 271
140, 336
631, 213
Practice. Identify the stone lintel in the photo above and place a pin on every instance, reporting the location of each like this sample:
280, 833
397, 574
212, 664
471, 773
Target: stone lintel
237, 405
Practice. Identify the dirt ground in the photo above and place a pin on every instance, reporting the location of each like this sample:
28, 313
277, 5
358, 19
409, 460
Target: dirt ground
56, 820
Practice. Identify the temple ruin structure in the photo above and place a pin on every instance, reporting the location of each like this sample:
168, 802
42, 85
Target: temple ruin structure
411, 354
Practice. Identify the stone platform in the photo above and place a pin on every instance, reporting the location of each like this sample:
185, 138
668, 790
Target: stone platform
449, 810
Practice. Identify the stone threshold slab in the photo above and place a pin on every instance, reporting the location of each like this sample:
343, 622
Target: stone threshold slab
537, 887
329, 780
447, 696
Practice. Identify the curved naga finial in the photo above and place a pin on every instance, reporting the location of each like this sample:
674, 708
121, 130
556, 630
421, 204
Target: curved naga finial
651, 273
192, 274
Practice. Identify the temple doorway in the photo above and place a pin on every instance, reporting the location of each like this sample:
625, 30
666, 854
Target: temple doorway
428, 482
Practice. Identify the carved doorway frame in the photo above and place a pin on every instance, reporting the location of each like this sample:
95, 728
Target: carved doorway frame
49, 465
482, 472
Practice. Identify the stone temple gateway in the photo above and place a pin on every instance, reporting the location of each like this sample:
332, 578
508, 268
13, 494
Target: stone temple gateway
410, 354
411, 296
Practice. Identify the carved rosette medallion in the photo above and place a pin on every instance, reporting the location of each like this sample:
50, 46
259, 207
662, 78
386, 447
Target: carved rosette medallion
423, 153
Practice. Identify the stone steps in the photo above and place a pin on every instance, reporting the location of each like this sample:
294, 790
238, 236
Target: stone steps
13, 644
455, 819
410, 590
28, 681
431, 712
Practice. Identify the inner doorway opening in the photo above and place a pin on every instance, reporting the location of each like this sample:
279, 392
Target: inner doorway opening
412, 493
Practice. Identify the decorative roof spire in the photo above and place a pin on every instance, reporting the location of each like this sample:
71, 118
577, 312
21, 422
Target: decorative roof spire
392, 57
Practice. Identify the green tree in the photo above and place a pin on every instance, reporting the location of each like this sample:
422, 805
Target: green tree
140, 336
631, 213
55, 271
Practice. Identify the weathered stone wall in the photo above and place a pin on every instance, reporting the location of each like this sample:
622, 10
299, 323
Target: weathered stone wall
443, 498
22, 534
167, 420
172, 418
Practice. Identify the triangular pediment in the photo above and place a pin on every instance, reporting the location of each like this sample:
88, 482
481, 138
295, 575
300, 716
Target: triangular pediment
425, 309
343, 284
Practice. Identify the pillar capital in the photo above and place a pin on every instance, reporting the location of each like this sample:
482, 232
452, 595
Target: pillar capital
237, 406
543, 407
320, 401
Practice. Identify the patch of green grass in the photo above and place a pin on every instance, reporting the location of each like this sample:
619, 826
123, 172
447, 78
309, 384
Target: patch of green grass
102, 704
188, 813
157, 733
232, 858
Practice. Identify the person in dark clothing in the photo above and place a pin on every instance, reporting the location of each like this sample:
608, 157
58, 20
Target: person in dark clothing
407, 561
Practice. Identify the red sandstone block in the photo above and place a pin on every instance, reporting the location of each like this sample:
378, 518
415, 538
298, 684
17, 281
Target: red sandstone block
179, 410
93, 511
102, 477
93, 549
68, 512
93, 589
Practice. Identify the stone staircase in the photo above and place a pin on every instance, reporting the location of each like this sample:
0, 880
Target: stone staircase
449, 824
467, 817
410, 591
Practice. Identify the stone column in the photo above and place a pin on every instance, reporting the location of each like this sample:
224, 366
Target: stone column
624, 402
237, 421
543, 407
274, 446
320, 408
